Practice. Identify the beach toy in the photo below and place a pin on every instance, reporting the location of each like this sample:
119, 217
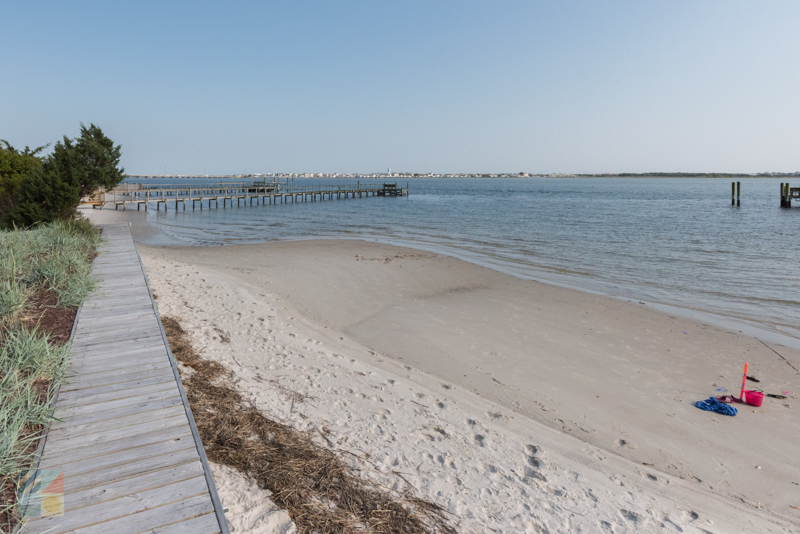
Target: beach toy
724, 390
753, 398
744, 379
713, 405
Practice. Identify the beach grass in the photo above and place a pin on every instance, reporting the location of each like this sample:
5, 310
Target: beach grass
44, 276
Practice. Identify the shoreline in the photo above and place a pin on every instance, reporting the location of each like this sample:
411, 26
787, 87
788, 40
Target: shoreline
146, 234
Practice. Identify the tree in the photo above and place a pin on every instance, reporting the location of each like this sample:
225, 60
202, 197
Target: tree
99, 158
51, 191
15, 165
75, 169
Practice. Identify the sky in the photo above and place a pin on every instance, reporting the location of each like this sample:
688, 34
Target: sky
412, 86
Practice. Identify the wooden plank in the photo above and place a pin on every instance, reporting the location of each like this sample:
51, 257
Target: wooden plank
117, 422
91, 397
116, 305
126, 348
75, 500
155, 517
117, 363
67, 395
114, 361
117, 339
124, 437
118, 333
126, 315
203, 524
116, 377
141, 319
120, 411
124, 351
127, 506
100, 355
132, 445
92, 472
110, 405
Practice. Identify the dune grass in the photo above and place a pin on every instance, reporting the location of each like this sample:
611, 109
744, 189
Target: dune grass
43, 267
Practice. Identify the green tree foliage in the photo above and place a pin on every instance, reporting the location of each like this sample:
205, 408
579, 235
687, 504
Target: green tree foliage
99, 158
75, 169
51, 191
15, 165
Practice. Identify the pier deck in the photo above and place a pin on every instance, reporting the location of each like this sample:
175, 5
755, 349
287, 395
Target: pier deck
208, 196
125, 437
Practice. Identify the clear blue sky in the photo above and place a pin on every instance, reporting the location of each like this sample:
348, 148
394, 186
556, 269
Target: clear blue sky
338, 86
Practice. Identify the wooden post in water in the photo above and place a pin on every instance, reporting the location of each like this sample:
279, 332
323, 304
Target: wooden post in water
783, 196
738, 194
733, 193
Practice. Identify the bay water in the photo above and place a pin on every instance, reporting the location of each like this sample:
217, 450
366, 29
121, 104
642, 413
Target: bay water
671, 241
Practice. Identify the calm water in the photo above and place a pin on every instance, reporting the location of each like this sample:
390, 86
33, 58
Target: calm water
671, 241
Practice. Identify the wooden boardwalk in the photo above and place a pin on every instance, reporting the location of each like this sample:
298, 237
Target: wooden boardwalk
125, 437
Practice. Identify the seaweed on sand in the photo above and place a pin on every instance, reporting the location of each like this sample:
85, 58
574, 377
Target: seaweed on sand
320, 491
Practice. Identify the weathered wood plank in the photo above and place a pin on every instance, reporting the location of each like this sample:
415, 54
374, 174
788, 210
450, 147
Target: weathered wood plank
203, 524
117, 386
92, 472
132, 445
150, 519
116, 363
122, 411
112, 490
116, 339
99, 355
129, 351
127, 506
94, 398
117, 438
117, 377
110, 405
117, 422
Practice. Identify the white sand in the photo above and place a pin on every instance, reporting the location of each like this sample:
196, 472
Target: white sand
517, 406
248, 508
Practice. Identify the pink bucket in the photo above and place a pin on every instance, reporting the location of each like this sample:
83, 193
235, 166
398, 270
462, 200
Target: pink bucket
753, 398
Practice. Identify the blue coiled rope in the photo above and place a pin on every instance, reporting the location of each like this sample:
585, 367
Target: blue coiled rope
713, 405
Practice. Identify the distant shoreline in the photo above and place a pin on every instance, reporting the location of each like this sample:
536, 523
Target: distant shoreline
410, 176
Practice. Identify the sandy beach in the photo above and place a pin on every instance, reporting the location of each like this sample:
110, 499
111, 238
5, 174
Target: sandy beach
517, 405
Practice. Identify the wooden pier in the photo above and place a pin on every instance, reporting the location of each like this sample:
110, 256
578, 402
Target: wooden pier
787, 194
209, 195
124, 436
